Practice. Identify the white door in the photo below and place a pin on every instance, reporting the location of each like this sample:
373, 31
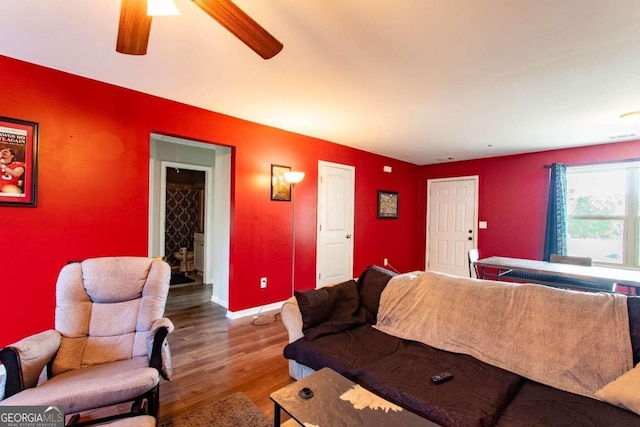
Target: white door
335, 223
451, 224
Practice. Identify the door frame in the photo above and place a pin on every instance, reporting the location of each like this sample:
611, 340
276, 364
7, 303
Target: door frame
321, 207
476, 182
208, 222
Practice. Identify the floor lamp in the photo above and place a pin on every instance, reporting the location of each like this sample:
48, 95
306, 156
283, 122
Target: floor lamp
293, 178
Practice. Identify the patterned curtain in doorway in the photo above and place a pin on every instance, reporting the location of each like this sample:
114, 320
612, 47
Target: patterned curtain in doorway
181, 220
556, 234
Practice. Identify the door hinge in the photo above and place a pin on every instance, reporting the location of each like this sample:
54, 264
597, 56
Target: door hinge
319, 276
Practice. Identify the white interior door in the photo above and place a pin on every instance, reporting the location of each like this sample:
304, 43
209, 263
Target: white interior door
451, 224
335, 223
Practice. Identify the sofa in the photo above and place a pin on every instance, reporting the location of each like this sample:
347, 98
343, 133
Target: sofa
520, 354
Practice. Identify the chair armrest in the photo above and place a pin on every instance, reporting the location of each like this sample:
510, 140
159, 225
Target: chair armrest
160, 354
25, 360
292, 319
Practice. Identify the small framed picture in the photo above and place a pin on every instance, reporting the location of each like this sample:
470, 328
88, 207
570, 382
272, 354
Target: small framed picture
280, 188
387, 204
18, 162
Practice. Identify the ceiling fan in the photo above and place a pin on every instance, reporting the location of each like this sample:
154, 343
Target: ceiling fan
135, 26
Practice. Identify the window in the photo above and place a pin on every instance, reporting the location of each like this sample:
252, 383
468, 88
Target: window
602, 213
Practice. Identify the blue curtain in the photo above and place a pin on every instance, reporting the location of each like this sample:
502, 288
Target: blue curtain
556, 235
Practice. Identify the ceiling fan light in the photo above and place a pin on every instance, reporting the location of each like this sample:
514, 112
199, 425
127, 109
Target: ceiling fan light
162, 8
632, 117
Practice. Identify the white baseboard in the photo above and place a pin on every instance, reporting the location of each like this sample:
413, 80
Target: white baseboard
219, 301
254, 311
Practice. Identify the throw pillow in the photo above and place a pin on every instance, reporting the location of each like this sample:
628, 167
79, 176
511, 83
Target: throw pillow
633, 307
315, 305
371, 283
330, 310
623, 391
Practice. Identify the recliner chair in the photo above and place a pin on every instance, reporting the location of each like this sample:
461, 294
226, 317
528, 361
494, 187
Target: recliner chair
109, 344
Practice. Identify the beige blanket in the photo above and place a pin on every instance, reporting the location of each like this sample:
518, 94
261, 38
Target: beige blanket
573, 341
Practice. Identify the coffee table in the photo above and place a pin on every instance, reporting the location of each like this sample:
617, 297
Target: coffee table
336, 401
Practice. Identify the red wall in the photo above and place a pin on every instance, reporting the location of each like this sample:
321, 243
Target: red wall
513, 194
93, 184
93, 193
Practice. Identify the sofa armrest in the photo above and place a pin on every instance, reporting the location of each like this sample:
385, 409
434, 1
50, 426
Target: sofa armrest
292, 319
25, 360
160, 353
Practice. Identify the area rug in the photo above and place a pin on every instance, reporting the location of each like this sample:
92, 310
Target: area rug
233, 411
179, 278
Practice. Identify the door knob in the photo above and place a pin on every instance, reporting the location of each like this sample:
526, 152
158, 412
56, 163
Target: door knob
348, 236
470, 238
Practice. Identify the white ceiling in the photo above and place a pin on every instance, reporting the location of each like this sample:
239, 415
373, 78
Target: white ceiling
417, 80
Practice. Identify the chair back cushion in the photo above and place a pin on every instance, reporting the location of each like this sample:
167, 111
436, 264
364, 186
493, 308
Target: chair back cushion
105, 309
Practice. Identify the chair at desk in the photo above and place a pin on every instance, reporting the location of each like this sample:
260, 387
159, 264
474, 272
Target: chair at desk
577, 260
578, 284
567, 259
474, 255
563, 282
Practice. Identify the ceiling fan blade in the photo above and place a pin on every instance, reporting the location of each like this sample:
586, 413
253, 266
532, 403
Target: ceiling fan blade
242, 26
134, 28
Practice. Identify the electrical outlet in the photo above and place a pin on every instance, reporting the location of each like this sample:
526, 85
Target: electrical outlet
385, 262
263, 283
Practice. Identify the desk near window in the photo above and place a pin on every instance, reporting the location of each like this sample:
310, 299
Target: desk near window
557, 274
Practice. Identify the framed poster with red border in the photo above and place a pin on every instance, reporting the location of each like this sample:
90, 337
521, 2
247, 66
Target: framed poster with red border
18, 162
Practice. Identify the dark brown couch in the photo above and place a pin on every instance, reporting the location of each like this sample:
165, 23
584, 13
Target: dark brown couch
333, 328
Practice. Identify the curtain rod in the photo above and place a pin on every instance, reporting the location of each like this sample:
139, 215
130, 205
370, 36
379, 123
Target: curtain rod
604, 162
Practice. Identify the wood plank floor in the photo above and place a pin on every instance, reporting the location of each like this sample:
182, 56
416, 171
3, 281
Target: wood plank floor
214, 357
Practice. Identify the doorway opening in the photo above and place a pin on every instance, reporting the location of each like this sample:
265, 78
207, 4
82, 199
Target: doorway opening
185, 213
192, 180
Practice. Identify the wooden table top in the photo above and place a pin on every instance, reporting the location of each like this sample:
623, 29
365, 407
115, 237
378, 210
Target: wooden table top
339, 401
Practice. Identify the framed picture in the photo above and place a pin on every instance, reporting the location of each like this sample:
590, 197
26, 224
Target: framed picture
280, 188
387, 204
18, 162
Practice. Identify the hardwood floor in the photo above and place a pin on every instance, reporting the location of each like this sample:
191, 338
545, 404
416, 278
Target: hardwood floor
214, 357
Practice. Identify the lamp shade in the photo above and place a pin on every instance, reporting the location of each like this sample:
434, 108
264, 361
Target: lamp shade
293, 177
161, 8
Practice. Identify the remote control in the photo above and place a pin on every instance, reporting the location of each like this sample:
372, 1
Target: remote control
441, 377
